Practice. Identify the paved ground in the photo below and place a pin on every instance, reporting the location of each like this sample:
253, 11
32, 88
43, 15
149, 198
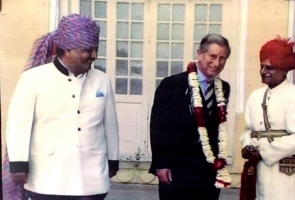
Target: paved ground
150, 192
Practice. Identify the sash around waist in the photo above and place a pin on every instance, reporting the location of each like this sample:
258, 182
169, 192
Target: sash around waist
269, 133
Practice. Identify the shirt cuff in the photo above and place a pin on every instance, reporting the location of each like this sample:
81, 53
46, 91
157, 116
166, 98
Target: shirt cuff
19, 167
113, 165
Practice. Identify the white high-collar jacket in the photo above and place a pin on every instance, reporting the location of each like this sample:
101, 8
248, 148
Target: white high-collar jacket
271, 183
67, 132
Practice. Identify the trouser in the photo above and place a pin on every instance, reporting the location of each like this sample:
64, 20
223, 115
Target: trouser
199, 192
191, 182
37, 196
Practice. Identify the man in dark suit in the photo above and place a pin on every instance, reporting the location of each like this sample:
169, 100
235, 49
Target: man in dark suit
181, 113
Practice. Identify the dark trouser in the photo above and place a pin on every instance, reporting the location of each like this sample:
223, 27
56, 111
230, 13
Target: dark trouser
172, 192
36, 196
191, 182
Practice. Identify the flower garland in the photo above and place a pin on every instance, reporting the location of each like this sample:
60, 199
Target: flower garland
222, 177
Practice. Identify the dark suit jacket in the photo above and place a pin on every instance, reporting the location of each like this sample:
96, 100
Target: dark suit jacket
173, 131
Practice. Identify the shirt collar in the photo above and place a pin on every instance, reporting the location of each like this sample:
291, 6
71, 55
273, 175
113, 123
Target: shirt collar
63, 68
279, 87
201, 76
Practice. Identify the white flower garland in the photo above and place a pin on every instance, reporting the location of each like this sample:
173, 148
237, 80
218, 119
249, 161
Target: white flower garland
222, 177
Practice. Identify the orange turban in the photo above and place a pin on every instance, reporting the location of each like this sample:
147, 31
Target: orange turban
280, 53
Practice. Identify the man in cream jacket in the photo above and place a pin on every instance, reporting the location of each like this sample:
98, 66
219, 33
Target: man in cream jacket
62, 131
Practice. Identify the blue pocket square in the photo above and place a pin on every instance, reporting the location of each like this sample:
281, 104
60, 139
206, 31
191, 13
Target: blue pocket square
99, 94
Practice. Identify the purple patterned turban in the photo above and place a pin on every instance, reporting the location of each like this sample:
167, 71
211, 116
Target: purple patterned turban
74, 31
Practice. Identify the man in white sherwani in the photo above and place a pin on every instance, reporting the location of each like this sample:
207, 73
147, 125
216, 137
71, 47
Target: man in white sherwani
269, 140
62, 131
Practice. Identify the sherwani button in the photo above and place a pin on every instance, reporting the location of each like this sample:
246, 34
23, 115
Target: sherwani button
69, 80
78, 111
73, 96
79, 129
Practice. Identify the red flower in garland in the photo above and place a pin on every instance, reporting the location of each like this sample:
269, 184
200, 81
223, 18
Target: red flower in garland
222, 113
219, 163
191, 67
199, 111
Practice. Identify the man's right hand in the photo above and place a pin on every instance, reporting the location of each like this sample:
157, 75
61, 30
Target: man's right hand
164, 175
248, 150
20, 177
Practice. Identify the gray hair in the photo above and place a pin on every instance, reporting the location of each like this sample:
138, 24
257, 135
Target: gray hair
214, 39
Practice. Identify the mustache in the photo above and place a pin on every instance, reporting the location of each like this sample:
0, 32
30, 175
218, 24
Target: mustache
265, 75
91, 59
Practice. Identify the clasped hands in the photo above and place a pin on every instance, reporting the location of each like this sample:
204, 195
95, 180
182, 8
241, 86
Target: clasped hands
252, 153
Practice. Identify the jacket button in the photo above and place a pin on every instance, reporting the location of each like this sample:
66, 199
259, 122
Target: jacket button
78, 111
73, 96
79, 129
69, 80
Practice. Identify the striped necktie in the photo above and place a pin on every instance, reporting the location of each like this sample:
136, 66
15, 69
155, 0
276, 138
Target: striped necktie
209, 95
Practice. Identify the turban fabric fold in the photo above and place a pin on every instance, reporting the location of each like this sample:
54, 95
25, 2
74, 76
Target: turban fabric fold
74, 31
280, 53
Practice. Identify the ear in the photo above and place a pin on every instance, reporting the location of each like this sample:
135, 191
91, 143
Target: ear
68, 53
199, 54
